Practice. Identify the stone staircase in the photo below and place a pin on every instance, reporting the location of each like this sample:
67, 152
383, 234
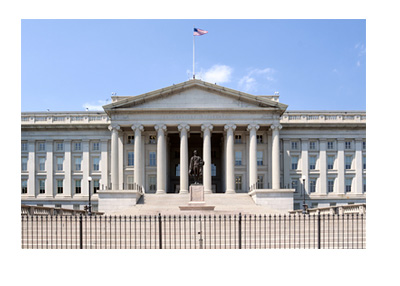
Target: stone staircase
151, 204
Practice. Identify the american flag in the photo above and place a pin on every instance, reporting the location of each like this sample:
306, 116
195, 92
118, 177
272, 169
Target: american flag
199, 32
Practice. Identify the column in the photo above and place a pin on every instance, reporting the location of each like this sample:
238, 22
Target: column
323, 188
104, 164
359, 167
161, 158
137, 175
86, 167
49, 169
230, 159
304, 162
340, 182
207, 179
121, 162
31, 169
114, 156
287, 162
275, 156
184, 159
253, 155
67, 169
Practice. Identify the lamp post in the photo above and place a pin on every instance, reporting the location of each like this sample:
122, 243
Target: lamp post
304, 194
90, 202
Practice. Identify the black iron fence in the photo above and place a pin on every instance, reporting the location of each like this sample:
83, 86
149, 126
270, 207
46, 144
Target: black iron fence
346, 231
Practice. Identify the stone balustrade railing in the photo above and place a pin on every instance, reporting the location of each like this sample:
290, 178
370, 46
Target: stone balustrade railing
345, 209
37, 210
323, 117
64, 118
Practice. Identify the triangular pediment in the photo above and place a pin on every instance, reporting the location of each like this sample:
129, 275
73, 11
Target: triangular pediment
194, 94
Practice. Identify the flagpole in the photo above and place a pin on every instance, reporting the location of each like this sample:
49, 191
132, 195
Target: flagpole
193, 54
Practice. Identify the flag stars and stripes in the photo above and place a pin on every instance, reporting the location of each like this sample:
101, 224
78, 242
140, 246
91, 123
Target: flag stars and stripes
199, 32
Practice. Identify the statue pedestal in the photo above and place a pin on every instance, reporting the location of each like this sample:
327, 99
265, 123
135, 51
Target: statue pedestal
196, 200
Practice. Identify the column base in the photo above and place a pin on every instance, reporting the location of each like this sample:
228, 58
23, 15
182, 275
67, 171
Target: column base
184, 192
207, 191
158, 192
231, 191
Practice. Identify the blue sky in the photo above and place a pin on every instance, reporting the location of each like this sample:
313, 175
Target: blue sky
68, 65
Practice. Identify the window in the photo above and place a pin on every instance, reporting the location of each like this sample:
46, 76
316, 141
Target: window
313, 145
77, 146
348, 185
312, 162
213, 170
60, 163
42, 187
96, 146
295, 145
59, 146
238, 139
330, 185
42, 146
152, 139
259, 139
260, 182
42, 162
153, 159
78, 187
364, 185
178, 170
59, 186
24, 186
96, 186
131, 139
96, 163
152, 183
347, 145
238, 183
313, 183
131, 158
349, 159
238, 158
364, 162
295, 185
24, 164
364, 146
295, 160
78, 161
24, 146
260, 159
330, 161
330, 145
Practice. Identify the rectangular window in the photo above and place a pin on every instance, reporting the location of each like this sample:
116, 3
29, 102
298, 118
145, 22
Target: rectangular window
24, 186
78, 162
96, 186
59, 146
238, 183
364, 185
96, 146
178, 170
312, 162
96, 163
313, 145
238, 139
364, 162
77, 146
295, 185
24, 146
364, 145
42, 163
347, 145
348, 185
295, 145
330, 186
295, 161
238, 158
42, 146
260, 182
24, 164
330, 145
78, 188
42, 186
59, 186
131, 139
260, 158
60, 163
348, 162
152, 139
153, 159
313, 184
330, 161
213, 170
152, 183
259, 139
131, 158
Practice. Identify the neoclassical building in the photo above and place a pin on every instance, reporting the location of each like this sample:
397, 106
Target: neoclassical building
142, 145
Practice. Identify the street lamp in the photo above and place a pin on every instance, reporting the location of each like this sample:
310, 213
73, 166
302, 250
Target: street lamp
90, 202
304, 194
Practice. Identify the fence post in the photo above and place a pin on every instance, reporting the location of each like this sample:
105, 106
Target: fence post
80, 233
159, 231
319, 231
240, 230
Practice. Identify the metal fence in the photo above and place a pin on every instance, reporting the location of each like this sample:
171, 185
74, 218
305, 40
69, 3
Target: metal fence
289, 231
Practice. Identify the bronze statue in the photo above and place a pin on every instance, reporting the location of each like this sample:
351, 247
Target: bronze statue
196, 167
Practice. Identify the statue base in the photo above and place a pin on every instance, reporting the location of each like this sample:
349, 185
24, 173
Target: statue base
196, 202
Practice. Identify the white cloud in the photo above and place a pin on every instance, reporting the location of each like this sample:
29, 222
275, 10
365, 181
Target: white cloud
96, 106
255, 78
247, 83
216, 74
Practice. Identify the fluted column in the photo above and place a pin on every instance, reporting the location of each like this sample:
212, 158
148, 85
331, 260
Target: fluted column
114, 155
161, 158
184, 159
275, 156
253, 154
207, 179
137, 175
230, 159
